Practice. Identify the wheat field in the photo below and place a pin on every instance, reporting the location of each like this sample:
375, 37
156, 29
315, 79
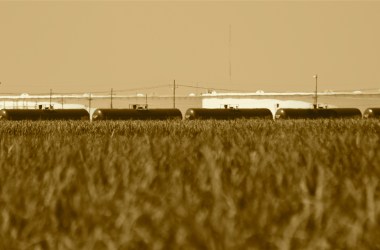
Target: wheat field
243, 184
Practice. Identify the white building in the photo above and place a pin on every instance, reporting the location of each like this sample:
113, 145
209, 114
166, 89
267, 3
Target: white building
243, 100
22, 104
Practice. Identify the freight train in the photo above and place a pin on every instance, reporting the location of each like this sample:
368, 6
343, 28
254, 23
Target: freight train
191, 114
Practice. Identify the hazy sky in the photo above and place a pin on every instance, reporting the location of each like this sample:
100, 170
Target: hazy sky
275, 46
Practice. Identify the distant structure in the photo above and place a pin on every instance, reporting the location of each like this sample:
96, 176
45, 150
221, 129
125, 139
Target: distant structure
247, 100
22, 104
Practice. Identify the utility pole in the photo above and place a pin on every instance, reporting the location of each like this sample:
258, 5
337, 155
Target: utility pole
229, 52
89, 102
146, 100
89, 105
316, 91
111, 97
50, 99
174, 95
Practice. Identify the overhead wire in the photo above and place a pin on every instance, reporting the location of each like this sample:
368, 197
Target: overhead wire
202, 87
210, 88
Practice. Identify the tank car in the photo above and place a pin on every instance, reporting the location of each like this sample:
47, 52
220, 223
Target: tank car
347, 113
227, 114
371, 113
317, 113
136, 114
44, 114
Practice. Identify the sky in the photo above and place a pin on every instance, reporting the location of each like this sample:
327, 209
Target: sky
93, 46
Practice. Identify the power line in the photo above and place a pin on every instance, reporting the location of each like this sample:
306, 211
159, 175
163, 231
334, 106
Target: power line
207, 88
211, 88
145, 88
350, 90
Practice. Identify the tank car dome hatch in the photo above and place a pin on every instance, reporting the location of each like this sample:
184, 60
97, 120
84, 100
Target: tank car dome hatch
371, 113
137, 114
227, 114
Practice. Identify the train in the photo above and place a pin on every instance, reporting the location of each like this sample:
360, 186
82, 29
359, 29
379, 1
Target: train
191, 114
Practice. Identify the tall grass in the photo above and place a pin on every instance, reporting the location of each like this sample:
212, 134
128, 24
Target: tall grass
190, 185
